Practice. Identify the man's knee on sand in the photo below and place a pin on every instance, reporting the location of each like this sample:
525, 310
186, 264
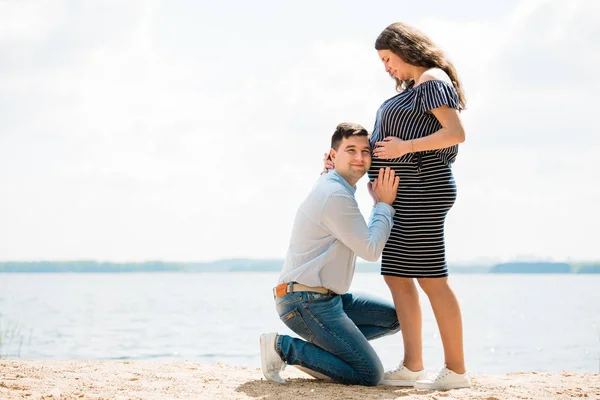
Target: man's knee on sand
373, 376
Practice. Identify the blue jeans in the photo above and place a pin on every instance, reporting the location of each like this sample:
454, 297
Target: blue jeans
336, 330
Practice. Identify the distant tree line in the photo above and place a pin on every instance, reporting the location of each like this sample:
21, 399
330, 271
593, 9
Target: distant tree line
544, 268
233, 265
89, 266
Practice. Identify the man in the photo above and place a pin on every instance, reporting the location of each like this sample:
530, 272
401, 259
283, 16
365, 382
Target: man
311, 298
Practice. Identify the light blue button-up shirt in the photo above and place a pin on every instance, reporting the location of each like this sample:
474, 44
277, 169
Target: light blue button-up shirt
329, 232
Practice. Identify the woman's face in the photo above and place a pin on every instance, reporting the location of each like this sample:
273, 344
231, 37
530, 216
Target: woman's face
394, 65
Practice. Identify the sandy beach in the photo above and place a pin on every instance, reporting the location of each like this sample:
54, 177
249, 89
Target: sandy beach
30, 379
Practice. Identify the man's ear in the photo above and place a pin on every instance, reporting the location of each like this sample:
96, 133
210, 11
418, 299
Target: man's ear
332, 154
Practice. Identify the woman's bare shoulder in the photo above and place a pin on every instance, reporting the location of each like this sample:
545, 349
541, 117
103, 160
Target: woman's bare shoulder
434, 74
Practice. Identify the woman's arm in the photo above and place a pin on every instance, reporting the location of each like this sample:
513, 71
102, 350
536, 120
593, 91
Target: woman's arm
452, 131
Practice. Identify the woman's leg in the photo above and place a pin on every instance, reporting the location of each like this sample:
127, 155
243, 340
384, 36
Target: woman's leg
408, 309
447, 314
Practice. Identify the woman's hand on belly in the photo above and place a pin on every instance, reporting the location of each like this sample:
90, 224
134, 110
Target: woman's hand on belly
392, 147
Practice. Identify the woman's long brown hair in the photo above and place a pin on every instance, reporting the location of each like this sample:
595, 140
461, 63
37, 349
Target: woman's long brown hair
415, 48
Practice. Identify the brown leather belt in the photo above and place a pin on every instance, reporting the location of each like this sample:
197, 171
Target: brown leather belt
285, 288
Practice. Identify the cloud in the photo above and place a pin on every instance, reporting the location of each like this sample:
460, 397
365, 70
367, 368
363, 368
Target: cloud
528, 164
128, 136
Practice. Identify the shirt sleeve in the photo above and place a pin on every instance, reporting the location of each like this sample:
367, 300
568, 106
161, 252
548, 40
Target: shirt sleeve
436, 93
342, 217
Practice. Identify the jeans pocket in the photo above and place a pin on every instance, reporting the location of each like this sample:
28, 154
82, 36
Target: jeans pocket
294, 320
315, 297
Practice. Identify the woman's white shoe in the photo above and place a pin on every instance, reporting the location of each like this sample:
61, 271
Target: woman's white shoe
402, 376
446, 379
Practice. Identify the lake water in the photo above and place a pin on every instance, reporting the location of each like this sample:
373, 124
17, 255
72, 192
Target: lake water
512, 322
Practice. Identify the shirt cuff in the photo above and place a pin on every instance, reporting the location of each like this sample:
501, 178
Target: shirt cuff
384, 208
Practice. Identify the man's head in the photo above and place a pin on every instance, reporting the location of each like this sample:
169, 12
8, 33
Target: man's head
350, 151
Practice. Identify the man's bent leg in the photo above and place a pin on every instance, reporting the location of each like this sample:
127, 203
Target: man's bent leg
375, 317
334, 346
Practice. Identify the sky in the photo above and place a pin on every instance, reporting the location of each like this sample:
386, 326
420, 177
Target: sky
192, 131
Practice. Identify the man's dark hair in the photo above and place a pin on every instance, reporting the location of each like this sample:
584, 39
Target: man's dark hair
345, 130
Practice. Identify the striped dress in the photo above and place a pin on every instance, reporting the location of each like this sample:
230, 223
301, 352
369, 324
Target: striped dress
427, 190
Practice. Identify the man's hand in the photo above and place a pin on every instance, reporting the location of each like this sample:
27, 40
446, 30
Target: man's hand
385, 187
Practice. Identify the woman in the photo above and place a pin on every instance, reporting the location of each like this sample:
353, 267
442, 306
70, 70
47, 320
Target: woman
417, 133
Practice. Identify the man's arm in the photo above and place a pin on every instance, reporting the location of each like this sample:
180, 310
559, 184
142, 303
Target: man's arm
342, 217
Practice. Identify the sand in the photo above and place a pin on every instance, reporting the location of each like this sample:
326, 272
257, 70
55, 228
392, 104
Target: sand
30, 379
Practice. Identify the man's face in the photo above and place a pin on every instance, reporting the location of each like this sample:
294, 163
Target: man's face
353, 158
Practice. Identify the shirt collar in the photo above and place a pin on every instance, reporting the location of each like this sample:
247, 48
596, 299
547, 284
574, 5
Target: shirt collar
337, 177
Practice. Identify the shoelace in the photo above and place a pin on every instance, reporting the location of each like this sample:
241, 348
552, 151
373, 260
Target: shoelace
398, 367
445, 371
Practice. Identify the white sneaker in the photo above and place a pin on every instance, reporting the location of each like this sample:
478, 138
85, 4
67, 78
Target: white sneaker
314, 374
402, 376
445, 380
271, 363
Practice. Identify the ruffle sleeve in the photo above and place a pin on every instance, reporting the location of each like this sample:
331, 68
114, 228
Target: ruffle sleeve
436, 93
